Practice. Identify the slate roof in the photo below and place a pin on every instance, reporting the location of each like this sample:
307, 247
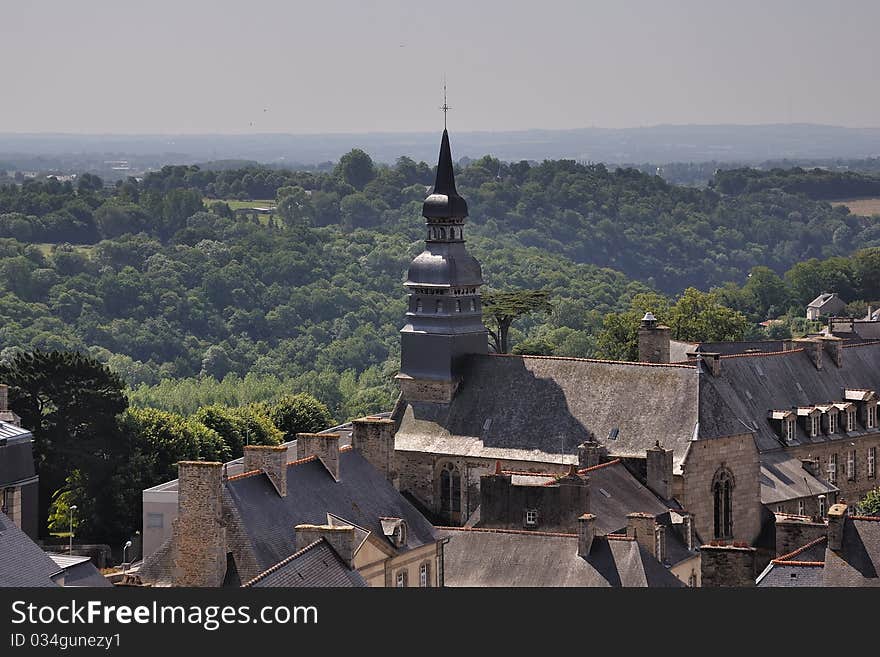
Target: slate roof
783, 478
361, 496
615, 492
540, 408
315, 565
79, 571
23, 563
16, 455
752, 385
508, 558
858, 562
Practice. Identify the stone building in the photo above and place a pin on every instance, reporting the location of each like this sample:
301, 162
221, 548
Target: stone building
235, 529
19, 482
827, 303
751, 429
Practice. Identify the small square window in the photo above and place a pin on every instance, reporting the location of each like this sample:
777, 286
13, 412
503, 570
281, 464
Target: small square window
531, 519
155, 521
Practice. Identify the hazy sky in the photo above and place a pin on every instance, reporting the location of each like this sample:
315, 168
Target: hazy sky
198, 66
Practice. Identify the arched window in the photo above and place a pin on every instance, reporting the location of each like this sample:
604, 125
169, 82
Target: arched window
450, 489
722, 494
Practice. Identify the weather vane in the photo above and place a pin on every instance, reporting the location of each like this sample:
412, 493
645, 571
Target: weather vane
445, 107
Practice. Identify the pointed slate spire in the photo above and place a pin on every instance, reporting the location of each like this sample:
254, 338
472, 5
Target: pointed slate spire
444, 202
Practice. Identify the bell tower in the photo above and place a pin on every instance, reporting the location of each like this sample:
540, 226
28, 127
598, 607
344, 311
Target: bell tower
444, 316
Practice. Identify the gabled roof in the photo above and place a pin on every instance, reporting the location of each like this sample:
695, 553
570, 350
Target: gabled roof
822, 299
541, 408
508, 558
362, 495
315, 565
23, 563
858, 561
79, 571
751, 385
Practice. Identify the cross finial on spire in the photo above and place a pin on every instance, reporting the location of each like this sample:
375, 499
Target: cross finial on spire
445, 107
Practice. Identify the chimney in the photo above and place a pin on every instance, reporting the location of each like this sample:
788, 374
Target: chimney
591, 453
199, 545
586, 533
340, 537
323, 445
373, 437
727, 565
271, 459
836, 522
813, 348
660, 471
687, 529
653, 340
834, 347
811, 466
5, 414
641, 526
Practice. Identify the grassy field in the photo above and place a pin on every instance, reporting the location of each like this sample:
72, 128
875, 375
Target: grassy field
235, 204
865, 207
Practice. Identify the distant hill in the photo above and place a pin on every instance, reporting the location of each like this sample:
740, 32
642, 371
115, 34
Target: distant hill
664, 143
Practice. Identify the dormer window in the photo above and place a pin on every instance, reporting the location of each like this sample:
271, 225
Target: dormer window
394, 530
832, 423
851, 420
814, 426
786, 426
871, 416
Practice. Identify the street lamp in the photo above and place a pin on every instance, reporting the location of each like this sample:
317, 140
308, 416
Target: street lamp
124, 548
70, 547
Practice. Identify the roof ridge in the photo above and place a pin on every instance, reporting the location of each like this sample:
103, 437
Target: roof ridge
619, 537
817, 564
867, 343
763, 353
281, 563
530, 474
593, 468
242, 475
868, 518
801, 549
304, 459
593, 360
489, 530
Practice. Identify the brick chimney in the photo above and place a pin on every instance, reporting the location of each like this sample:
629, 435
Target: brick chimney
659, 466
591, 453
373, 437
643, 528
340, 537
271, 459
727, 565
586, 533
834, 347
323, 445
199, 545
836, 522
653, 340
813, 348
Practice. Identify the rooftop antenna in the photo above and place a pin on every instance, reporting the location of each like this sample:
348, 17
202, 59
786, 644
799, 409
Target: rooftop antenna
445, 107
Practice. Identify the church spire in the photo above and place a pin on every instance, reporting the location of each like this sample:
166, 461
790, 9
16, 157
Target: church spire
444, 202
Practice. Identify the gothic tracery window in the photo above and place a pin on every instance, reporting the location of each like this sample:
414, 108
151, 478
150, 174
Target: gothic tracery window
722, 495
450, 489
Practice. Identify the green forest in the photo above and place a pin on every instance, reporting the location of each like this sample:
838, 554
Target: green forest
207, 317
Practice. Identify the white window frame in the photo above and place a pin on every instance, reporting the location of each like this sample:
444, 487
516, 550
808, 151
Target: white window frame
423, 575
531, 518
802, 508
832, 423
871, 421
779, 509
832, 469
400, 581
872, 462
789, 429
822, 508
851, 420
814, 426
851, 465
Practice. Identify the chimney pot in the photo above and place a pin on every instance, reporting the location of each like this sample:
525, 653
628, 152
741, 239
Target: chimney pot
271, 459
836, 522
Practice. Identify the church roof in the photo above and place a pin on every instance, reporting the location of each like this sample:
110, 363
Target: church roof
444, 201
537, 408
752, 385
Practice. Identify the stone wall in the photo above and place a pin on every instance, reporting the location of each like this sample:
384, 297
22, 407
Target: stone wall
739, 455
851, 490
727, 566
271, 459
503, 505
323, 445
416, 390
795, 532
373, 437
